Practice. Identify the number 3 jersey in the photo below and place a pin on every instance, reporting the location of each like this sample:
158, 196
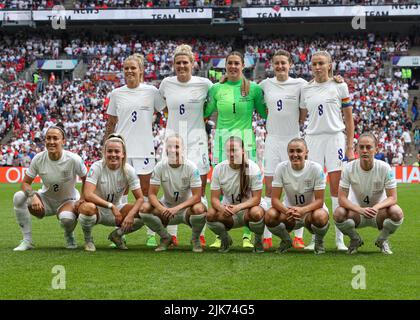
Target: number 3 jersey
227, 180
176, 182
299, 186
58, 177
111, 184
324, 102
367, 188
134, 109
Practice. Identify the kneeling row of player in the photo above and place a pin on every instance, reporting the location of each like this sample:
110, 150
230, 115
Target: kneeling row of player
236, 190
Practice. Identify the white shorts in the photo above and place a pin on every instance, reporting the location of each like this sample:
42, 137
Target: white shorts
328, 150
51, 206
106, 217
142, 166
275, 152
199, 155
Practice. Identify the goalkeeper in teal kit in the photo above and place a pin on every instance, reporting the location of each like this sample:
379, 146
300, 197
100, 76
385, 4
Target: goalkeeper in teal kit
235, 101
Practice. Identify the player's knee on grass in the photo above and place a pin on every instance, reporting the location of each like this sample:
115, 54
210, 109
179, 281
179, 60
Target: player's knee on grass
272, 218
340, 214
319, 218
255, 214
87, 208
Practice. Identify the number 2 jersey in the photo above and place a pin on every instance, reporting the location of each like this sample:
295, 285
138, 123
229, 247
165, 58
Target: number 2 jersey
134, 109
367, 188
299, 186
227, 179
58, 177
176, 182
111, 184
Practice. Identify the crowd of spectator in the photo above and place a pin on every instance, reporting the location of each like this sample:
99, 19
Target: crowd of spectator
105, 4
255, 3
380, 101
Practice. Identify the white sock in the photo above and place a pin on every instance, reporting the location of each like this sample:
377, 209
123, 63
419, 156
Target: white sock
172, 229
348, 227
197, 224
155, 224
23, 216
267, 233
320, 232
268, 201
389, 228
299, 232
280, 231
218, 228
203, 231
67, 221
338, 233
87, 223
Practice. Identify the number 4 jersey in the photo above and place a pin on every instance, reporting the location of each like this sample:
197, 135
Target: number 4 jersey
367, 188
134, 109
299, 186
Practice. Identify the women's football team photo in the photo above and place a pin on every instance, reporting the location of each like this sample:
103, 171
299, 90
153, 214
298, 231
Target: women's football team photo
310, 140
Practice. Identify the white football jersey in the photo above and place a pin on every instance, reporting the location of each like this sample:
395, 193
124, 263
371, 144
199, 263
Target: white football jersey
111, 184
367, 188
227, 180
58, 177
283, 102
176, 182
185, 102
299, 186
324, 103
134, 109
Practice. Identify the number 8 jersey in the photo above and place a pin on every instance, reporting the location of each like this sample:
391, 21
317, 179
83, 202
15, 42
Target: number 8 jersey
299, 186
324, 102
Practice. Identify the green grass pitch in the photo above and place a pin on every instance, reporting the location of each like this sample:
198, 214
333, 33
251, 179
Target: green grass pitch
140, 273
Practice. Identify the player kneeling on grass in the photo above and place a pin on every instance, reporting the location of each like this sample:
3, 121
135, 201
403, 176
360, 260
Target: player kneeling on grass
58, 170
181, 184
373, 197
240, 182
304, 184
105, 185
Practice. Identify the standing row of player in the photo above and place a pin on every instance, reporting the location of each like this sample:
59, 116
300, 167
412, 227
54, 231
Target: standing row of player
132, 106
